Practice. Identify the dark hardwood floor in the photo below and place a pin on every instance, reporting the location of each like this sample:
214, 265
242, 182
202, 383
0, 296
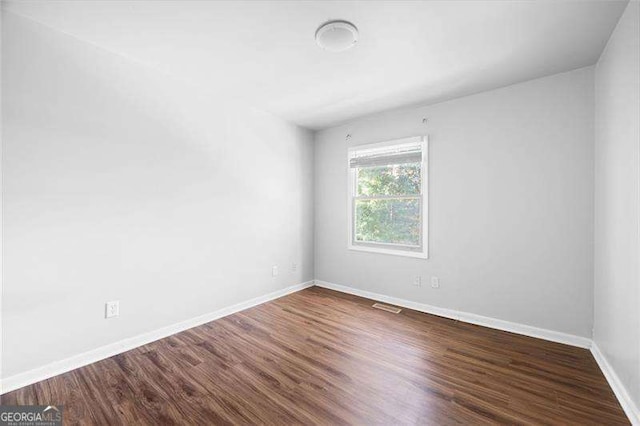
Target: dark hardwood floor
322, 357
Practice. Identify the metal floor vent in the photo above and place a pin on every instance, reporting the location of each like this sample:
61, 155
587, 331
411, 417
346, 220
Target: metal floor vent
387, 308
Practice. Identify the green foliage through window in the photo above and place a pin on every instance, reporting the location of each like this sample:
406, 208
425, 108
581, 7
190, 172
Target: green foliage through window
399, 179
387, 205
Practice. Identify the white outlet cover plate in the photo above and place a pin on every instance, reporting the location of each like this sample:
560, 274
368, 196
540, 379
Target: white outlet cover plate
112, 309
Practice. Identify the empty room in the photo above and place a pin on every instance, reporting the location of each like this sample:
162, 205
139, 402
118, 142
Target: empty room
320, 212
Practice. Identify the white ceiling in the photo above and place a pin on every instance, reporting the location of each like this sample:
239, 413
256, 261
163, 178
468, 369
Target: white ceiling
408, 52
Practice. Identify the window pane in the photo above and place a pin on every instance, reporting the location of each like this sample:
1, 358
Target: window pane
388, 220
397, 179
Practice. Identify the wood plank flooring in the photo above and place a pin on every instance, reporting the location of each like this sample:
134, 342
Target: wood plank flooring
322, 357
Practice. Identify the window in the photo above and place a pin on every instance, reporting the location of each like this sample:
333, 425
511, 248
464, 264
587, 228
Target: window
387, 196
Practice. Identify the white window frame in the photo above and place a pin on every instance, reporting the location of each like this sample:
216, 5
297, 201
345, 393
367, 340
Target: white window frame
422, 252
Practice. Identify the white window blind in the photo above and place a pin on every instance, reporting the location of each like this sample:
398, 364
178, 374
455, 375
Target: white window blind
382, 156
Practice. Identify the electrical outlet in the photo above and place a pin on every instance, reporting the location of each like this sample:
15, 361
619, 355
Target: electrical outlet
112, 309
417, 281
274, 271
294, 267
435, 282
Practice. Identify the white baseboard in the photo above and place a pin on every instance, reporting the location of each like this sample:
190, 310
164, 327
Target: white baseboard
41, 373
59, 367
527, 330
630, 408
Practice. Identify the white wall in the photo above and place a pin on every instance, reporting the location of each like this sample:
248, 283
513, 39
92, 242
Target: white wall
121, 184
511, 204
617, 202
1, 192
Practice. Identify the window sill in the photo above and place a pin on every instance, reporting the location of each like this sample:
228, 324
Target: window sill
379, 250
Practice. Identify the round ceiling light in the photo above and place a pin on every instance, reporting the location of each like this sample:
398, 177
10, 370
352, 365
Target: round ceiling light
336, 36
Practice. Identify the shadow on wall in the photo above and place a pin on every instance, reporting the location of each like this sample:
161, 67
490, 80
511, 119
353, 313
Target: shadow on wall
121, 183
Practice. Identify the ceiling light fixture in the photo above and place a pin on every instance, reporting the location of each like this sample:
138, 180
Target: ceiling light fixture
336, 36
